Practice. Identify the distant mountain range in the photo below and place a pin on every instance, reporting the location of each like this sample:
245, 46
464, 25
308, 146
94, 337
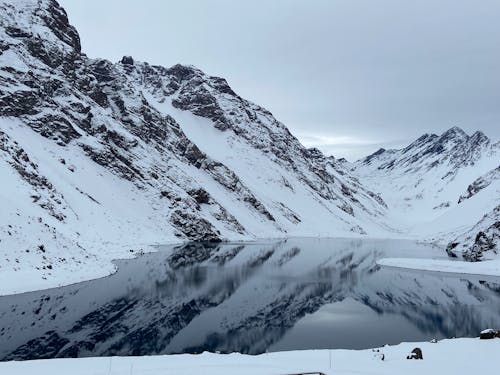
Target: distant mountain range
97, 154
445, 187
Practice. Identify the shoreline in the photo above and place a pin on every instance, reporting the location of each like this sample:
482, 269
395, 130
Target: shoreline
108, 267
449, 356
489, 267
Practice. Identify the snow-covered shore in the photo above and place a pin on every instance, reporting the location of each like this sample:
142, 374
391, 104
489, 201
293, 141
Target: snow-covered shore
486, 268
18, 279
455, 356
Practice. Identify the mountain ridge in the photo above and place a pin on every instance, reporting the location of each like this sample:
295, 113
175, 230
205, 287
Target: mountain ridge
449, 182
128, 154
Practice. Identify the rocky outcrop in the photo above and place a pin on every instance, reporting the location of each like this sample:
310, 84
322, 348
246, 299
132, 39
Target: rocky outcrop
415, 354
480, 183
480, 240
489, 334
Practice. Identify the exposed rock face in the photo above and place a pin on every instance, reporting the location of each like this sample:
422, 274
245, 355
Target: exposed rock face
480, 183
483, 238
157, 153
127, 60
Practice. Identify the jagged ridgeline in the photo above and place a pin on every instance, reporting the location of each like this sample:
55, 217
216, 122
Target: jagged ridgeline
446, 186
131, 152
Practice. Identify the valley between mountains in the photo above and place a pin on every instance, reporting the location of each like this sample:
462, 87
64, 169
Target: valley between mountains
102, 160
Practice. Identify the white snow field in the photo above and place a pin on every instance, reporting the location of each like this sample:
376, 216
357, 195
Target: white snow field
446, 357
486, 267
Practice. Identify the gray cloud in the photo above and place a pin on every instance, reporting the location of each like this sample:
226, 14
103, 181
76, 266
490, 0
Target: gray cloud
373, 72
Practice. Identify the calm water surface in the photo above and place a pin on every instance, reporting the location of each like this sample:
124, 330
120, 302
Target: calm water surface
250, 298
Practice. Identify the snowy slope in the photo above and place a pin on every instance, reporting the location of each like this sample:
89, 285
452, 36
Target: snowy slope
445, 188
446, 357
100, 159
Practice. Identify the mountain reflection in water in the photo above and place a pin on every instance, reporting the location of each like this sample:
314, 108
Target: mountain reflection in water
250, 298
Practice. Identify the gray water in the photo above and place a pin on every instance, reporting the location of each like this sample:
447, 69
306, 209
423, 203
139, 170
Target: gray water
250, 298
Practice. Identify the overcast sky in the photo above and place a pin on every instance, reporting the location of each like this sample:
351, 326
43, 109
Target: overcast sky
347, 76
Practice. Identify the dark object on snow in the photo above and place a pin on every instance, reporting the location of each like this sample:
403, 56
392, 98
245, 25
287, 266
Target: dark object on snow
127, 60
379, 355
415, 354
489, 334
449, 249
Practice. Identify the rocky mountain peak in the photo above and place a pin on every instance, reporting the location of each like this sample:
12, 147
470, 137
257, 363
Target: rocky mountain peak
183, 73
454, 131
422, 141
454, 134
368, 158
38, 21
479, 137
453, 148
127, 60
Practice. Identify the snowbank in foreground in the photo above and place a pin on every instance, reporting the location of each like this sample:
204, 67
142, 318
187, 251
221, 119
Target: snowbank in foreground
487, 267
457, 356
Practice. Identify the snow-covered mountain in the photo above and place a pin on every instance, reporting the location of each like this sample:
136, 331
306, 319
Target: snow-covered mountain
445, 187
98, 156
99, 160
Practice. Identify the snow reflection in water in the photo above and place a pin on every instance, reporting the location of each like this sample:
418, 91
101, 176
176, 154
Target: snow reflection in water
251, 297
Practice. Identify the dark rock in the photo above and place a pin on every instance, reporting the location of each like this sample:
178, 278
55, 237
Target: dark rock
415, 354
56, 20
165, 194
367, 159
449, 249
17, 33
347, 209
480, 183
201, 196
488, 334
44, 347
484, 241
181, 72
127, 60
